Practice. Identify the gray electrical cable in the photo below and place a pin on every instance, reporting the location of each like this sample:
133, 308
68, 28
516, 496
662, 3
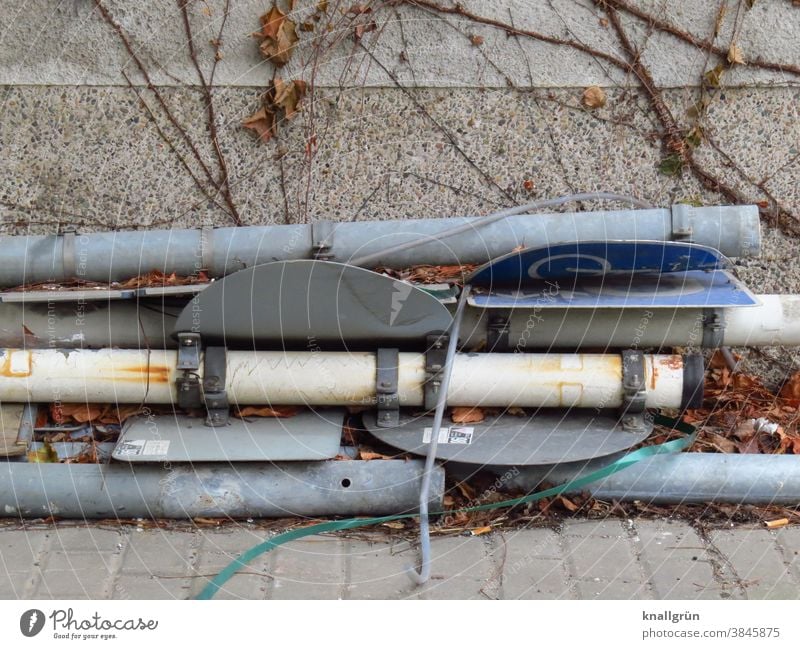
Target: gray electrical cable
430, 459
502, 214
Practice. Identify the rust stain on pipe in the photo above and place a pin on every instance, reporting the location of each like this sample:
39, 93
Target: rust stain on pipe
16, 363
674, 362
143, 373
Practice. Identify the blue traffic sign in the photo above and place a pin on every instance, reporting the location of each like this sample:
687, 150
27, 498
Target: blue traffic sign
596, 258
701, 289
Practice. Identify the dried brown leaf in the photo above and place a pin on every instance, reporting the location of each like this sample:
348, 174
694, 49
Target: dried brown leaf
279, 36
721, 443
713, 77
368, 454
363, 28
568, 504
735, 56
199, 520
594, 97
62, 413
357, 10
289, 95
263, 123
466, 491
791, 389
266, 411
467, 415
476, 40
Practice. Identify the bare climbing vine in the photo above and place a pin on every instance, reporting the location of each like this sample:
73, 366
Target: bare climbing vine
677, 144
214, 185
356, 29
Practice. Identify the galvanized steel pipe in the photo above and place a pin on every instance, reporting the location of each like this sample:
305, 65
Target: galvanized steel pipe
754, 479
111, 256
244, 490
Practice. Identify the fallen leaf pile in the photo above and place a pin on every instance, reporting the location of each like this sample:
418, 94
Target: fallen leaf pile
154, 278
266, 411
740, 415
426, 274
81, 413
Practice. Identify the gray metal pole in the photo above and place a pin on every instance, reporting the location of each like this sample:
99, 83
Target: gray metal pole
112, 256
245, 490
684, 478
71, 325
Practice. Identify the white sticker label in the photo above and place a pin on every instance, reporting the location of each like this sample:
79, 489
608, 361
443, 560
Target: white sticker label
130, 447
136, 447
451, 435
156, 447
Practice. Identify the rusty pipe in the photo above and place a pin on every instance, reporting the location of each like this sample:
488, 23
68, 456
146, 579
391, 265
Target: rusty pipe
338, 378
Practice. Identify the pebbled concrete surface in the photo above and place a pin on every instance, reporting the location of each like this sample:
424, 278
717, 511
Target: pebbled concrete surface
90, 156
584, 559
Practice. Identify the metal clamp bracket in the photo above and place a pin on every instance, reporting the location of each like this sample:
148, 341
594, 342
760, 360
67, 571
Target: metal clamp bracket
497, 332
207, 249
681, 229
713, 328
322, 239
188, 384
69, 262
435, 358
386, 379
214, 395
634, 390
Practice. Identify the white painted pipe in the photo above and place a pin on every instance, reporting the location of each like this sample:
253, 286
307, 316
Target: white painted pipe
775, 321
334, 378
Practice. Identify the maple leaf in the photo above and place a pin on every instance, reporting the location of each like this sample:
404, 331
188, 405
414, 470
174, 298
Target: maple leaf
263, 123
288, 95
280, 36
